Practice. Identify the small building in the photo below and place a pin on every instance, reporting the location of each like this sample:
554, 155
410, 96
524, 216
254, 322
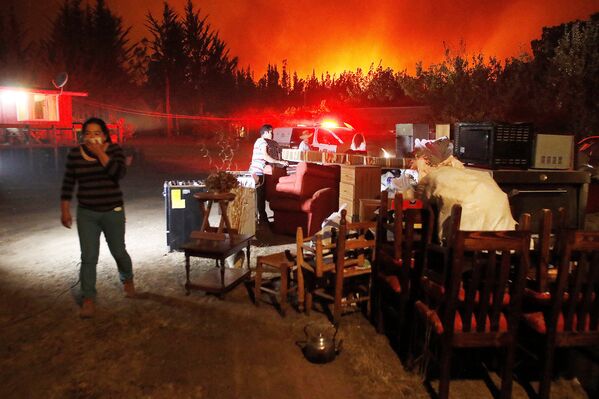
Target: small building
31, 116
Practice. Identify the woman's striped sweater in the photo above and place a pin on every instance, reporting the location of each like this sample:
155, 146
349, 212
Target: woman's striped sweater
98, 186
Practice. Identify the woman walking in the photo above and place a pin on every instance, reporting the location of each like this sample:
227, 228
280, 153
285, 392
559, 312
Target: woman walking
95, 167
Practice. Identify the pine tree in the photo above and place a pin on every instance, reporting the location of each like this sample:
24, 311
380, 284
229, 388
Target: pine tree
15, 65
168, 61
91, 45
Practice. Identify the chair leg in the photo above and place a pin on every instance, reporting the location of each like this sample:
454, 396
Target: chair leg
444, 376
338, 296
337, 305
308, 302
545, 383
300, 288
412, 350
507, 372
378, 309
369, 301
258, 281
283, 289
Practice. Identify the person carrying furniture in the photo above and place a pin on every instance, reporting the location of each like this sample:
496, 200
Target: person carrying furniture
260, 158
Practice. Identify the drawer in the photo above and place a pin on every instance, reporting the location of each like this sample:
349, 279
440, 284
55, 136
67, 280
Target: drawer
348, 175
346, 190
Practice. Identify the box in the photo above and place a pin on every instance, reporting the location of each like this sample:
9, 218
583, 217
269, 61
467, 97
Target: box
182, 211
442, 130
405, 133
552, 151
242, 210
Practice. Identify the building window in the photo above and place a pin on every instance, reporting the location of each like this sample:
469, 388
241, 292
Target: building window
25, 106
41, 107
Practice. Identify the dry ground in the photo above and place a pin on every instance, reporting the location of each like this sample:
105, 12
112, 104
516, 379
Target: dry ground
165, 344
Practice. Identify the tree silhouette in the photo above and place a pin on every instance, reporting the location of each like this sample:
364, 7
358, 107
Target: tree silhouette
566, 71
14, 52
210, 70
93, 47
168, 62
185, 67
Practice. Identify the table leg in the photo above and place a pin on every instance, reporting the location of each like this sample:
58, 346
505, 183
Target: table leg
222, 273
283, 289
258, 281
187, 282
247, 254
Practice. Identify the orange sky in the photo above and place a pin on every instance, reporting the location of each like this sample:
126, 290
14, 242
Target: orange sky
338, 35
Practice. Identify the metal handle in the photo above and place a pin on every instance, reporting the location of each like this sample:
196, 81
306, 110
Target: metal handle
515, 192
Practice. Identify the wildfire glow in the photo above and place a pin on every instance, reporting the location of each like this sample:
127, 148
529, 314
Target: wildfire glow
339, 35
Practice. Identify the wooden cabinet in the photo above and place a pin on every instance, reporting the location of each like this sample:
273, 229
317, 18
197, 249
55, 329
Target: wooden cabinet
534, 189
358, 182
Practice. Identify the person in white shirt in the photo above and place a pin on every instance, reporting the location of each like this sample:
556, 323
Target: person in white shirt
358, 143
304, 145
259, 159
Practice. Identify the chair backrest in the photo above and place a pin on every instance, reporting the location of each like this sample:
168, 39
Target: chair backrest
386, 223
383, 219
486, 280
311, 253
575, 296
548, 245
480, 278
524, 222
311, 177
353, 244
412, 220
437, 260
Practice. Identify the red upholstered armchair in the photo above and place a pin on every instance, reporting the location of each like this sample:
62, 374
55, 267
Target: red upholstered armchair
272, 174
305, 199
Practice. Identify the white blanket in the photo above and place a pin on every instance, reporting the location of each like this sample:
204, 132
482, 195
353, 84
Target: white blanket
484, 205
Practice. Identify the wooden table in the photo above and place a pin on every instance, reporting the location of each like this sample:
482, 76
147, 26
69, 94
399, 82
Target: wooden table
220, 279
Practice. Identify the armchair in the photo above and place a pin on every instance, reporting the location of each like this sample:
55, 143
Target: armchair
305, 199
272, 174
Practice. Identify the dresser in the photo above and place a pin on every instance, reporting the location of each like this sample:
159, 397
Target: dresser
358, 182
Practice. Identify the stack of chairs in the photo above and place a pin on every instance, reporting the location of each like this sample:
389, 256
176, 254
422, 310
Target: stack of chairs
402, 236
473, 299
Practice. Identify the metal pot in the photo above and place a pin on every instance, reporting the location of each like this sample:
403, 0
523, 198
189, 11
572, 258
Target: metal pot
320, 347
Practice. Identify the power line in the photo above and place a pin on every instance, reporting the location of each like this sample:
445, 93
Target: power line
160, 114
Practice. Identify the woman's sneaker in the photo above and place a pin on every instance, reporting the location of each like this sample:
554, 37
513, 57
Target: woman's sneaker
88, 309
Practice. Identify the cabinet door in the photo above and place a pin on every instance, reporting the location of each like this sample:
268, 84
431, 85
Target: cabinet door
532, 198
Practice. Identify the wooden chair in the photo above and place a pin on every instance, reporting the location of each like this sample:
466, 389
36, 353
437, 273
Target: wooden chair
546, 249
572, 317
283, 263
313, 256
543, 257
401, 240
353, 254
478, 303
